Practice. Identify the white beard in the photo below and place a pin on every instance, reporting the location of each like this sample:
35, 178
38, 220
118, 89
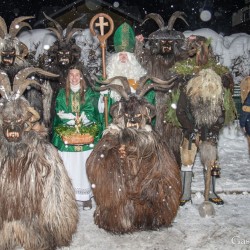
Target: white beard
131, 70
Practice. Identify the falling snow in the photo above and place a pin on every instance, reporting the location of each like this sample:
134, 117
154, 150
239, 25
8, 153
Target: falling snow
227, 229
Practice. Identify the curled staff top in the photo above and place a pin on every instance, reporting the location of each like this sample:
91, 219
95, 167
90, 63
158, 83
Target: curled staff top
101, 24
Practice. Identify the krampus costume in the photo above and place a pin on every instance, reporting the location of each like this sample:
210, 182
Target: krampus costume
135, 179
37, 203
63, 54
201, 113
162, 50
14, 57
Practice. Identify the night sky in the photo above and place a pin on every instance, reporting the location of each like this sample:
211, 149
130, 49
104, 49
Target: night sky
221, 10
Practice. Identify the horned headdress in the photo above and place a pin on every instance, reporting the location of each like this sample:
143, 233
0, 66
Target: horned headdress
20, 84
9, 39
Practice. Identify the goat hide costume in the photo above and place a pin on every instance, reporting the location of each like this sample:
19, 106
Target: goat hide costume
135, 179
163, 49
15, 56
37, 202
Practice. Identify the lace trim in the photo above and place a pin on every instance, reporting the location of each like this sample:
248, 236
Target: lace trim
82, 191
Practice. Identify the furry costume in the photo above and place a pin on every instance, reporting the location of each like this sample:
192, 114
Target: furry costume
200, 111
135, 179
37, 202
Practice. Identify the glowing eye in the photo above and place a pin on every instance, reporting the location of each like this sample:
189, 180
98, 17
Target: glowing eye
19, 120
138, 115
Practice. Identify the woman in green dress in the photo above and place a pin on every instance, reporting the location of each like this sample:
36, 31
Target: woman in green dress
76, 102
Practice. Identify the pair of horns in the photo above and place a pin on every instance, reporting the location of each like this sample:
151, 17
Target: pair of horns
21, 81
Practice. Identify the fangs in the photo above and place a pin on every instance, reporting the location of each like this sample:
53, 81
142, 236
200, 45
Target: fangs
12, 134
132, 125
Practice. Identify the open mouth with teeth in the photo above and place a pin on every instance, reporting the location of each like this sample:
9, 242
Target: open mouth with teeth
12, 135
133, 121
7, 61
64, 61
166, 49
132, 125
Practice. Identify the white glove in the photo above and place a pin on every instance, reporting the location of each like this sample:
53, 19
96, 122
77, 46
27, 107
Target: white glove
71, 122
63, 115
84, 118
101, 104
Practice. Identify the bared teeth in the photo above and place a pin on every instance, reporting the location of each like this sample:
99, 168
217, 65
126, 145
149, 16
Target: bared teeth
12, 134
132, 125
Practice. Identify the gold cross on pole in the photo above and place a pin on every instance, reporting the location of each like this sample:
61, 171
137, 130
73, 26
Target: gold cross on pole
102, 37
101, 24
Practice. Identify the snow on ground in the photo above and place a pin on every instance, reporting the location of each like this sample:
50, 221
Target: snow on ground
228, 229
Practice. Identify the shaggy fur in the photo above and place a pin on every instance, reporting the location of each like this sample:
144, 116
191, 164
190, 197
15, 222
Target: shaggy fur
208, 153
137, 190
37, 202
171, 134
206, 96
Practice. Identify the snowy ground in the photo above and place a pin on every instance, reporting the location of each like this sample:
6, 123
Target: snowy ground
228, 229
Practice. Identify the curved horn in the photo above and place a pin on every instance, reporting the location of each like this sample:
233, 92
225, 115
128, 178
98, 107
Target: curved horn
172, 19
157, 18
35, 115
123, 90
3, 28
21, 83
69, 32
142, 82
24, 49
5, 87
17, 25
123, 80
119, 89
157, 84
58, 26
152, 109
57, 33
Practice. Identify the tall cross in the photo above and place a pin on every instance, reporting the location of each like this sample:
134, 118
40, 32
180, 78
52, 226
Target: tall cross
101, 24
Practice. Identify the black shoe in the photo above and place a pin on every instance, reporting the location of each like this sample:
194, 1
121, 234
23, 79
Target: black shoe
183, 202
217, 200
87, 205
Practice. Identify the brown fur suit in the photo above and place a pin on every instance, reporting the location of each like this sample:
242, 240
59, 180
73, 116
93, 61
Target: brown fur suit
135, 179
201, 108
37, 202
138, 191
